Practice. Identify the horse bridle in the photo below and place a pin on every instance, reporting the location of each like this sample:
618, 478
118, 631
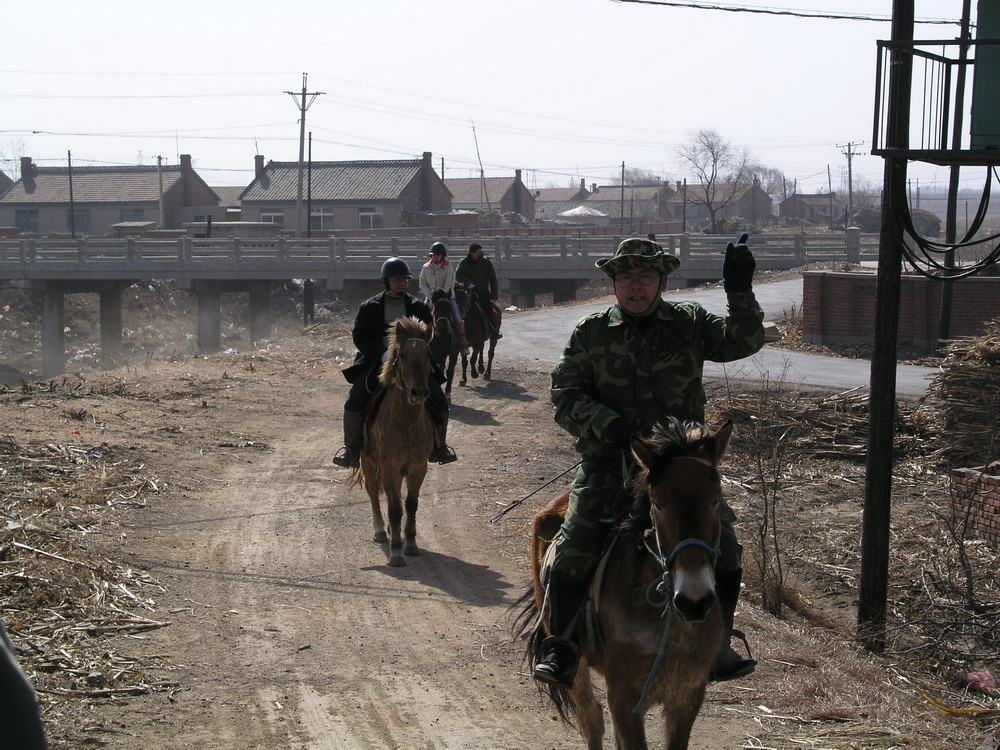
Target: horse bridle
665, 585
395, 360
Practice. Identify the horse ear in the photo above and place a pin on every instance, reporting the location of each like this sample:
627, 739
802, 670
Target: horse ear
720, 441
642, 450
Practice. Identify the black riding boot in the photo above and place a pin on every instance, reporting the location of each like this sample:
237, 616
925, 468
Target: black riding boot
560, 656
350, 455
728, 664
442, 454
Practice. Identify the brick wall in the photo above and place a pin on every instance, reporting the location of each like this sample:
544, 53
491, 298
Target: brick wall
839, 308
975, 499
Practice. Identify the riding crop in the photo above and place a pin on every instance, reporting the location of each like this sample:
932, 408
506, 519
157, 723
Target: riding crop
513, 505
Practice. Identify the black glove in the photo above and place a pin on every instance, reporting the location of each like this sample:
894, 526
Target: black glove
738, 267
617, 432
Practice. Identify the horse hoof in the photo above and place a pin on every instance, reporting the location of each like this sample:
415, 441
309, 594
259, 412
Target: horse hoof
381, 537
396, 560
411, 549
475, 375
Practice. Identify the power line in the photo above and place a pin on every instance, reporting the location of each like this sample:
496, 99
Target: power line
782, 12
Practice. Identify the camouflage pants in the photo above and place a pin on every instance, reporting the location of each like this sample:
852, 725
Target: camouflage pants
598, 495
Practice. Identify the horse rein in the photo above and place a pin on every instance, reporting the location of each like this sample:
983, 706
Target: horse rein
664, 585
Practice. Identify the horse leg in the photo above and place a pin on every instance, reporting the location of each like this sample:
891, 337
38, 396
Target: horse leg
489, 363
679, 721
589, 712
465, 364
630, 728
395, 513
370, 475
413, 482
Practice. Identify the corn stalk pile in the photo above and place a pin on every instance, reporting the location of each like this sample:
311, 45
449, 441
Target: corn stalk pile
967, 393
62, 603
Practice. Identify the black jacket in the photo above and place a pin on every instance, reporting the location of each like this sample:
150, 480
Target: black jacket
370, 330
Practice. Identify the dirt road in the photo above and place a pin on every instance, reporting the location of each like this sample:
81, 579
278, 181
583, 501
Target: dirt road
287, 629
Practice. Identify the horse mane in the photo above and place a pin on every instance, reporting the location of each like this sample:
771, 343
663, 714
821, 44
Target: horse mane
439, 294
400, 330
669, 440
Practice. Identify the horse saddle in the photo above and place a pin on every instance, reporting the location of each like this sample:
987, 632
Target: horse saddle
592, 602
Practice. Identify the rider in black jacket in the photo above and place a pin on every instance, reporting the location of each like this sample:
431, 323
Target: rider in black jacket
370, 335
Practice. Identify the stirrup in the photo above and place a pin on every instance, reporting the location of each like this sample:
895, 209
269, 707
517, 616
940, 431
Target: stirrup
443, 455
738, 666
347, 458
559, 665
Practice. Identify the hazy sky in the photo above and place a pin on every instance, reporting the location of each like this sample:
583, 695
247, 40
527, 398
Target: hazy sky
563, 89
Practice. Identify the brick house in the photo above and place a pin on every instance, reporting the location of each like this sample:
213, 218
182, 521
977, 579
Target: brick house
346, 194
753, 204
39, 202
819, 208
503, 194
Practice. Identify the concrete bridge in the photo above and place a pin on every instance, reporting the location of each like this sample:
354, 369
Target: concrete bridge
526, 267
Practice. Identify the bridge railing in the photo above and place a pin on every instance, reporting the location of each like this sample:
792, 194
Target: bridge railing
109, 258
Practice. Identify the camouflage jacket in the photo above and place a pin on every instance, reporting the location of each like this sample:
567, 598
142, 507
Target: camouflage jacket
609, 368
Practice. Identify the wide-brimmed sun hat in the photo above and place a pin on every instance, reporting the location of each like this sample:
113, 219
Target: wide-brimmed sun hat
639, 253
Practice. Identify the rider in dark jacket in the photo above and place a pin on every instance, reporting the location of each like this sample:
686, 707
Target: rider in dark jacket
370, 335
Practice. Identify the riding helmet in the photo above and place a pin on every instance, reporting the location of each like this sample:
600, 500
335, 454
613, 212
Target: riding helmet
396, 267
439, 248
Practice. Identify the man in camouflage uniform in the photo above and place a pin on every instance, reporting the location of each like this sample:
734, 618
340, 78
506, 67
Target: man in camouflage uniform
622, 371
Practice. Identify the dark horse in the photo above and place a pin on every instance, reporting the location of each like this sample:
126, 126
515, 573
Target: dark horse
656, 624
477, 333
444, 341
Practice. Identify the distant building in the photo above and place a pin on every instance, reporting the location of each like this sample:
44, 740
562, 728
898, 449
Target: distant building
40, 201
504, 195
819, 208
5, 182
347, 194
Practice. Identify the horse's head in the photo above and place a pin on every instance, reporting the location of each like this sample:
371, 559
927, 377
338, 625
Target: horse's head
408, 365
462, 297
441, 313
679, 475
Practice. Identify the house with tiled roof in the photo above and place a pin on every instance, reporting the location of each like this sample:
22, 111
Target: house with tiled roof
5, 182
748, 202
818, 208
503, 195
40, 201
347, 194
229, 199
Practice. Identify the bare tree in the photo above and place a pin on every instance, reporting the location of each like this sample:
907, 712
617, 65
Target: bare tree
635, 176
10, 157
723, 172
772, 181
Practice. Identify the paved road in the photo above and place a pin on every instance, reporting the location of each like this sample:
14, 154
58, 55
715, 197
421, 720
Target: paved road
541, 335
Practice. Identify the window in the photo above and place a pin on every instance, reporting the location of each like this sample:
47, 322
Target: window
131, 214
78, 221
26, 220
321, 218
369, 217
273, 216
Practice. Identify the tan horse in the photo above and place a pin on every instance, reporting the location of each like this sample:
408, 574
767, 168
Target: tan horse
658, 624
400, 438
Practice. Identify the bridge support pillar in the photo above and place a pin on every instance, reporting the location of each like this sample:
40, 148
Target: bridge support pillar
209, 320
53, 323
111, 327
260, 311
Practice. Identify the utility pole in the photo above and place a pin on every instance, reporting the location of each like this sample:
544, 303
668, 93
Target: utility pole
849, 153
303, 106
829, 188
72, 207
951, 218
159, 200
873, 582
621, 204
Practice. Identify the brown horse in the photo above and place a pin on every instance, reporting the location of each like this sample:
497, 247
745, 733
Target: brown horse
656, 625
444, 341
400, 438
477, 333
